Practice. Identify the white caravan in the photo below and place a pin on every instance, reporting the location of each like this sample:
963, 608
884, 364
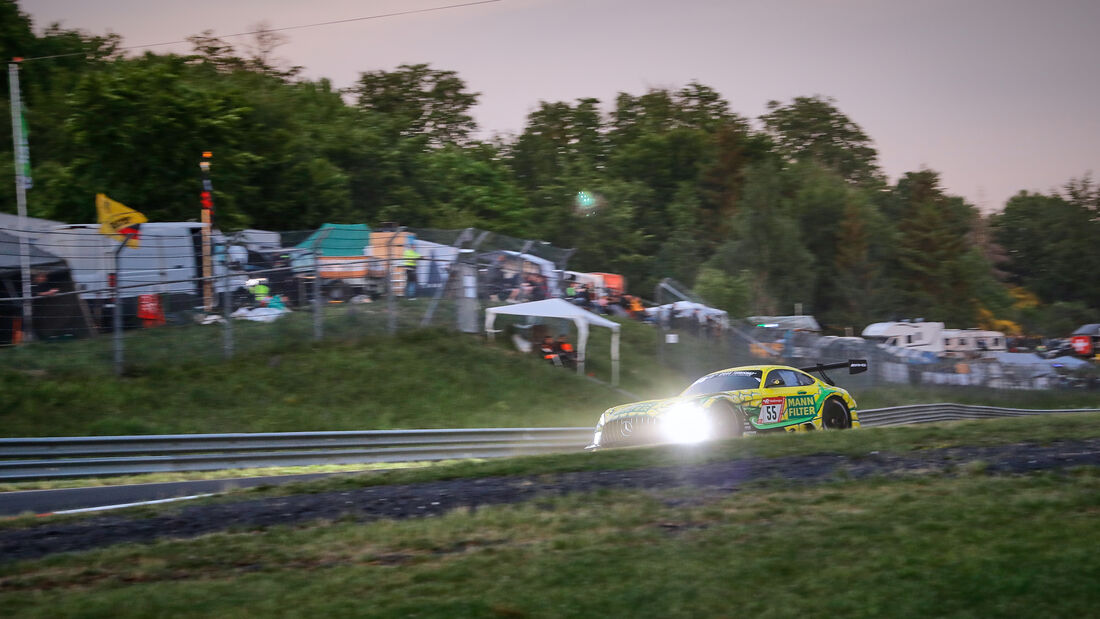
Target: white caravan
919, 335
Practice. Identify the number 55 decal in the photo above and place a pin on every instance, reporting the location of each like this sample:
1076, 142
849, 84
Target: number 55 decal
771, 410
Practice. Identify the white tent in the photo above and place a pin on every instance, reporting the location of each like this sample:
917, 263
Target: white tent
558, 308
683, 309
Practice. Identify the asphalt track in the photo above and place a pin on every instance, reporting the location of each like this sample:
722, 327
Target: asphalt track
46, 536
49, 501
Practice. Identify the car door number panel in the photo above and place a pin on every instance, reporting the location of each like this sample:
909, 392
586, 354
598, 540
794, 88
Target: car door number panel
778, 409
771, 410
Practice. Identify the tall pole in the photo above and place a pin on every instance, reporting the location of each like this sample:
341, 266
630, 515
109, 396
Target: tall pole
117, 309
21, 158
207, 197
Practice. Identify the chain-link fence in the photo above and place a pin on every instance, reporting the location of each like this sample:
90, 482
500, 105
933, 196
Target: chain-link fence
179, 296
182, 296
697, 339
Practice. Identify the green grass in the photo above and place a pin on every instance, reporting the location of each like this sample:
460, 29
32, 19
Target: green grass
359, 379
173, 476
972, 546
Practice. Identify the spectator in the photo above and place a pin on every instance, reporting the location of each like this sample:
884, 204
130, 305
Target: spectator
584, 297
549, 352
522, 293
566, 353
497, 286
539, 289
410, 261
41, 286
260, 291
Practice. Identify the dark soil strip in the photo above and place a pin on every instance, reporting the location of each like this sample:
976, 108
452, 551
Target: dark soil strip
406, 501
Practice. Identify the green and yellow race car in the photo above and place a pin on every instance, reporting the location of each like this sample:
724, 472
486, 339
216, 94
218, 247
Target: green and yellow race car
734, 402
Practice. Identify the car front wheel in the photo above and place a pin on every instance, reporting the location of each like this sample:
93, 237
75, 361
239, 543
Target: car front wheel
728, 422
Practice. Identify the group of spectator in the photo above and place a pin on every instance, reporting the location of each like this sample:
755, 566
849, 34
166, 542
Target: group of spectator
558, 352
509, 286
611, 304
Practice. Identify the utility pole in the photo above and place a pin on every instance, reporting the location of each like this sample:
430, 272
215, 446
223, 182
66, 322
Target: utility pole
22, 180
207, 197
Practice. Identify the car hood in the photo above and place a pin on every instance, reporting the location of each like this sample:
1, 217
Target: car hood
645, 407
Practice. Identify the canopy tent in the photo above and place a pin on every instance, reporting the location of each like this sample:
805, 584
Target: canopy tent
684, 309
559, 308
795, 323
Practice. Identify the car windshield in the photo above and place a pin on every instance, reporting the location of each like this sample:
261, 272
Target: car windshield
730, 380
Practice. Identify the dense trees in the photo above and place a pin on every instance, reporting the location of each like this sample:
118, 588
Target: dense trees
758, 217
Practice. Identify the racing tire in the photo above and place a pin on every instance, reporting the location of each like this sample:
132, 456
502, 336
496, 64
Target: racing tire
835, 416
728, 423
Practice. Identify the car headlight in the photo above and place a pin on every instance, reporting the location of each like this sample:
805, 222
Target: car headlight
686, 423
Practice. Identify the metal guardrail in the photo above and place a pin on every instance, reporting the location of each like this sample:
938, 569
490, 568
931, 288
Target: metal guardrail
89, 456
930, 413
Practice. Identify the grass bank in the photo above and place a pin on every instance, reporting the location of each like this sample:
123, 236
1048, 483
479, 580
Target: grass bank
418, 379
970, 546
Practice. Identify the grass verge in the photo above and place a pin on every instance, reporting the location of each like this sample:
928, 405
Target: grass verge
973, 546
418, 379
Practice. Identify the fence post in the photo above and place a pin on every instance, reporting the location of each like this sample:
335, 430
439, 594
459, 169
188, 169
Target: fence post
227, 311
391, 310
118, 305
318, 326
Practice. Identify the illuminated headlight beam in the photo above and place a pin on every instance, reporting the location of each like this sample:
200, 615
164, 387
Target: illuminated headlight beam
686, 423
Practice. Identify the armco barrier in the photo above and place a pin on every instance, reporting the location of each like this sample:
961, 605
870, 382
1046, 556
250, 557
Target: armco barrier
90, 456
929, 413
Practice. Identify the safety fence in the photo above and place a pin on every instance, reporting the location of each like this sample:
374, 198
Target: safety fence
184, 295
60, 457
696, 339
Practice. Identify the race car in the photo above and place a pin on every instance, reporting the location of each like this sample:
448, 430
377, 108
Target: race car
731, 403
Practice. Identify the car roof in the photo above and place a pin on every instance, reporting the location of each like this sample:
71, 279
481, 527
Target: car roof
762, 368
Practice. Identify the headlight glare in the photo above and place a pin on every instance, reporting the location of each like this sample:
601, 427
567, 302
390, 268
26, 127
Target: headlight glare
686, 423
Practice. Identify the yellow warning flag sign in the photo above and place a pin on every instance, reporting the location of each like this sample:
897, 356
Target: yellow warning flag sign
116, 220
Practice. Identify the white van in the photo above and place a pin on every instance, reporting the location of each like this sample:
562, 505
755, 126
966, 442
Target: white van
168, 259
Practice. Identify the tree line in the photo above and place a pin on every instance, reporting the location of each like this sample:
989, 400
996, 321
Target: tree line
756, 216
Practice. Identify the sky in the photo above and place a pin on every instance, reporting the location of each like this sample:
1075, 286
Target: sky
997, 96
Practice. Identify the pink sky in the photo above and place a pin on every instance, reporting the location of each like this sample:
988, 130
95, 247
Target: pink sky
996, 95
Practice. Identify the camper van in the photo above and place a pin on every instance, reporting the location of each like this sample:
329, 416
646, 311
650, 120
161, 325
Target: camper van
934, 338
915, 335
167, 260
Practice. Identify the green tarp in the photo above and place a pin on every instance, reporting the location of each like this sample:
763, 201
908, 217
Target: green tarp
338, 240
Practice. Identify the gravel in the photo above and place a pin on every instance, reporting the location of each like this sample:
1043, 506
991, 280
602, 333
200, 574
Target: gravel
425, 499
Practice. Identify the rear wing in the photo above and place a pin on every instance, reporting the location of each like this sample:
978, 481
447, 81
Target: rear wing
855, 366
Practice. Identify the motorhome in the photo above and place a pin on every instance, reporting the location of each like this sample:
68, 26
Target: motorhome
913, 335
933, 337
972, 342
